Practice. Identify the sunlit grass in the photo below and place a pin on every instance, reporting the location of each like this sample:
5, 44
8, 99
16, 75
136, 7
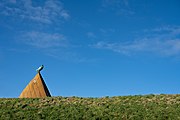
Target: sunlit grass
120, 107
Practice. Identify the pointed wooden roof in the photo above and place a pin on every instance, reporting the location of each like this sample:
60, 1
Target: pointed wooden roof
36, 88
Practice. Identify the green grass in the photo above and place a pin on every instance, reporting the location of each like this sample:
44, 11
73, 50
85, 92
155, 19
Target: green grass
148, 107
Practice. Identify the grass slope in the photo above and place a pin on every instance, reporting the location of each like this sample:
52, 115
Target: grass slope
138, 107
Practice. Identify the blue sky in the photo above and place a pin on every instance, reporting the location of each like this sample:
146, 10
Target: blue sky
91, 48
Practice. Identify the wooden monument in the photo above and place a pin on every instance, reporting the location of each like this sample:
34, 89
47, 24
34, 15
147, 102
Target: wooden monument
36, 87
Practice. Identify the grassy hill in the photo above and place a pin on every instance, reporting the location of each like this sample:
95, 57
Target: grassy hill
150, 107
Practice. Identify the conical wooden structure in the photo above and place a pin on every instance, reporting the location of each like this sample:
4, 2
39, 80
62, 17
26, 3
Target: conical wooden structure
36, 88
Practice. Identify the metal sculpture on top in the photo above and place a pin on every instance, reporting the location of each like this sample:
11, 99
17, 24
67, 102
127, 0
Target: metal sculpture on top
40, 68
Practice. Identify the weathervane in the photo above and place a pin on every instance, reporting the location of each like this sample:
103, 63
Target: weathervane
40, 68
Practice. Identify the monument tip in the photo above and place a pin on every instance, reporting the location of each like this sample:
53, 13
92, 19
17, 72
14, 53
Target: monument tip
40, 68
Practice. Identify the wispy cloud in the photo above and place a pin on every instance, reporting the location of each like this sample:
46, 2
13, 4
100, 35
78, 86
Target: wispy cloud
163, 40
121, 7
107, 31
44, 40
48, 12
106, 3
91, 35
54, 45
0, 54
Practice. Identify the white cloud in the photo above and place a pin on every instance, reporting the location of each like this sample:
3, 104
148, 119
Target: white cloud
44, 40
168, 47
164, 41
48, 12
0, 55
107, 3
120, 7
53, 45
91, 35
12, 1
107, 31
